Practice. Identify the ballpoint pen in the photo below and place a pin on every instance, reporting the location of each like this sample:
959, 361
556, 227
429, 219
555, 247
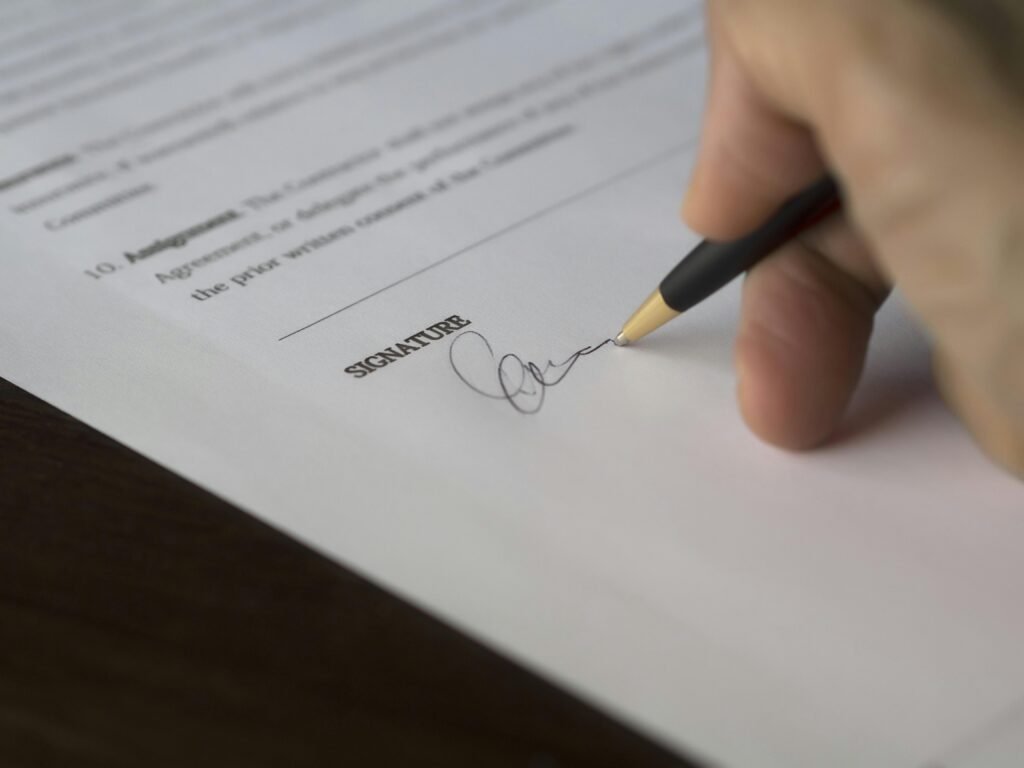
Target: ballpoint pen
713, 264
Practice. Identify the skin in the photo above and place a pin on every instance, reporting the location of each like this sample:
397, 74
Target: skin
917, 106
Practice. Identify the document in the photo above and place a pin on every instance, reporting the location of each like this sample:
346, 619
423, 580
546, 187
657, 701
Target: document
353, 266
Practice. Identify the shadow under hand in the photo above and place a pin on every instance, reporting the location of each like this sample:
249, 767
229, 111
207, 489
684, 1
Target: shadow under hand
897, 378
882, 401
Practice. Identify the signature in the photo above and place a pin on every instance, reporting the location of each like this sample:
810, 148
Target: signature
521, 383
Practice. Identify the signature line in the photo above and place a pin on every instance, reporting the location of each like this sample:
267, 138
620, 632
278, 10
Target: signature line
675, 149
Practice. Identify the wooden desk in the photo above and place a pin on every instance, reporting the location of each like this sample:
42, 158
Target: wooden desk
144, 622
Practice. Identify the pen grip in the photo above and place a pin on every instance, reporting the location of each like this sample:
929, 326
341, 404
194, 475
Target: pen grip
714, 264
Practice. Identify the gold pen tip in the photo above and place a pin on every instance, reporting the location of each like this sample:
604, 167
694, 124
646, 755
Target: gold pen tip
652, 314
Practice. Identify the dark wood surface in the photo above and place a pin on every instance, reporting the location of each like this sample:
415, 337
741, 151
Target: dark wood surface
144, 622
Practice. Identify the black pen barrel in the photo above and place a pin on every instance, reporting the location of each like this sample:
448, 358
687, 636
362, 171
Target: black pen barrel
712, 265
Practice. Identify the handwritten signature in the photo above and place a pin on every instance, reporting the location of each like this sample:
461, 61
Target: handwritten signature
520, 382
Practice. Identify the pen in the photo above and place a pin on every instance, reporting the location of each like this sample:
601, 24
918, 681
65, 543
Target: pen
712, 265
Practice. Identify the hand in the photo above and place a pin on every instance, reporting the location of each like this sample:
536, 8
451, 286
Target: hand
917, 106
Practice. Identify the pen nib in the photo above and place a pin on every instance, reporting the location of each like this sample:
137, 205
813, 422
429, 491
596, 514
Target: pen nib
621, 340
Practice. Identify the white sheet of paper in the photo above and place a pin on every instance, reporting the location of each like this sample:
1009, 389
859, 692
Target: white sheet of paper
209, 210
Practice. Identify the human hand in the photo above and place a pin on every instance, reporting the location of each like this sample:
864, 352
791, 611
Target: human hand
917, 106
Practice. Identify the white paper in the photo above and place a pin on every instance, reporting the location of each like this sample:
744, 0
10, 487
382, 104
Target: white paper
999, 745
516, 164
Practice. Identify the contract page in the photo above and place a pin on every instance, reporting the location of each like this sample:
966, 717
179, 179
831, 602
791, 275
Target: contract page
354, 267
